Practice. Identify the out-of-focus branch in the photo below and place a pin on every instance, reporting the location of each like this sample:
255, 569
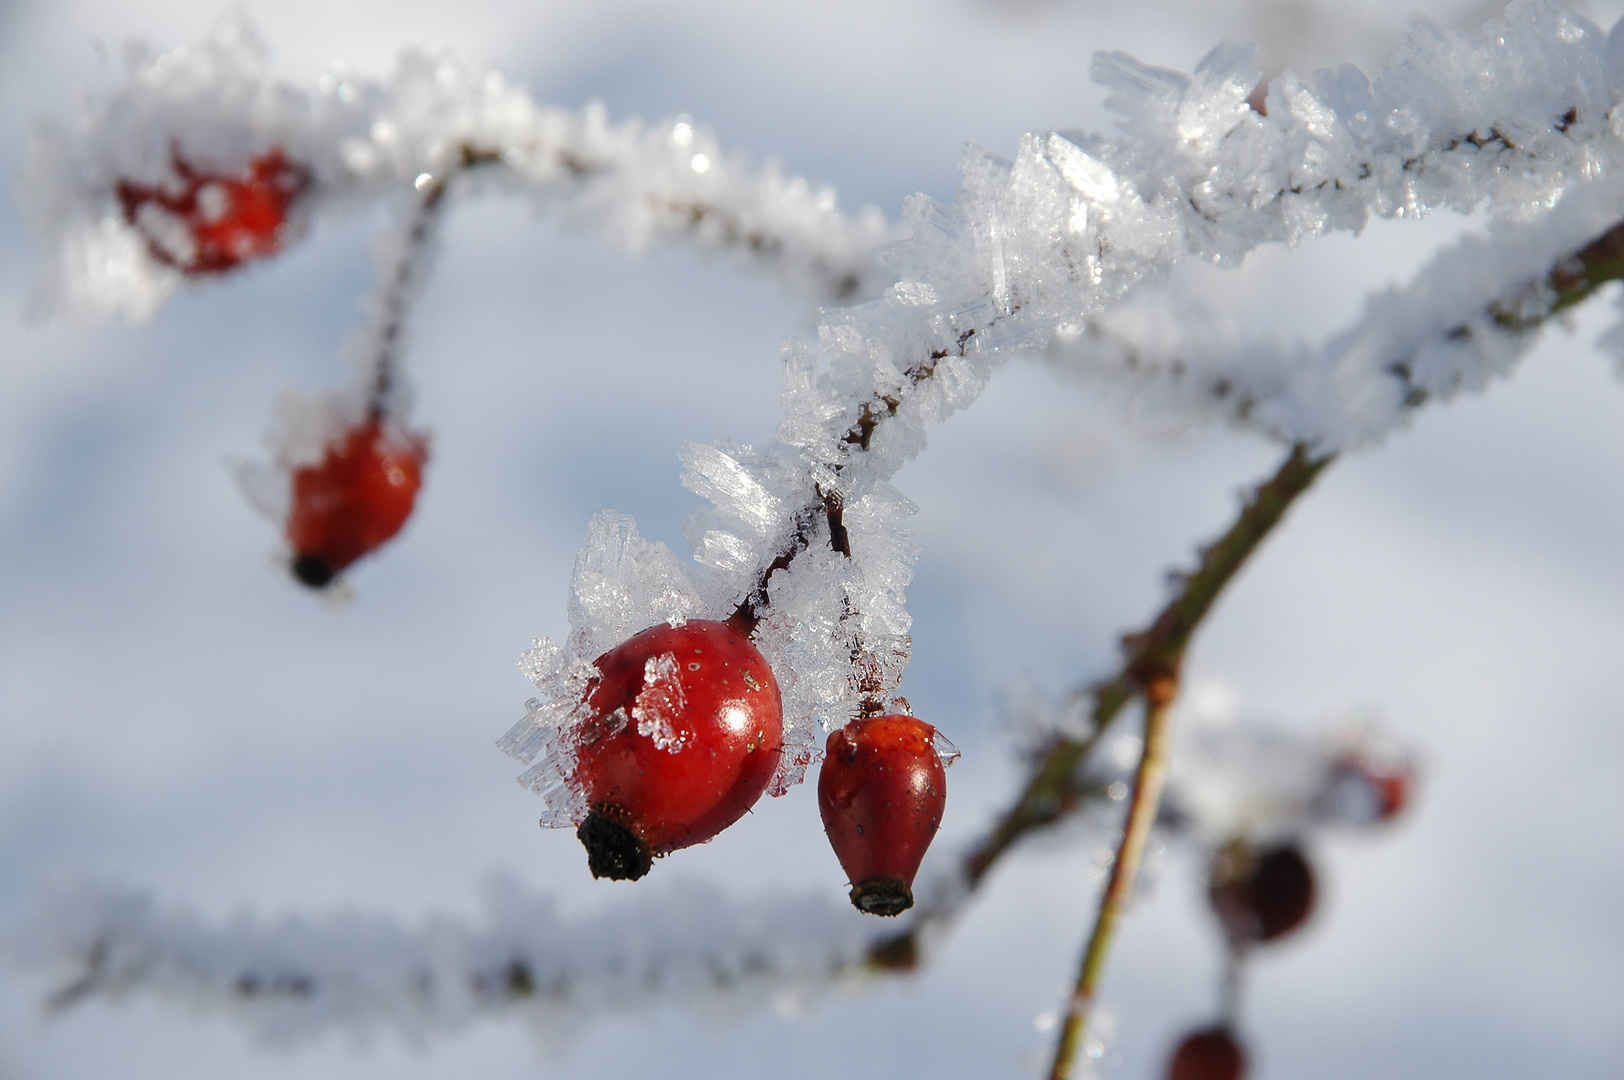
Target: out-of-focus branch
1147, 799
1571, 281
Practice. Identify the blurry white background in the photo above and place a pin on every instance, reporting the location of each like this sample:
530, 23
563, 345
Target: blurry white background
176, 714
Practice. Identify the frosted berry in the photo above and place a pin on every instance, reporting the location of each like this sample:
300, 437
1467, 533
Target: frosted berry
687, 727
1261, 894
358, 497
881, 792
1210, 1054
208, 222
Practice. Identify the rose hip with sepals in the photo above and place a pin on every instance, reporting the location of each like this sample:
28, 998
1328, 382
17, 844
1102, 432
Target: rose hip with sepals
1210, 1054
210, 223
1261, 894
687, 727
354, 500
881, 791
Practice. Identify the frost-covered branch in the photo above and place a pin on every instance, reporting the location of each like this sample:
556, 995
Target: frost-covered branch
1469, 315
1508, 317
215, 105
681, 944
1032, 252
298, 978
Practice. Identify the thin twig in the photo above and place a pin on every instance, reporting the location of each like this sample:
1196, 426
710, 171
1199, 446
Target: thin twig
1150, 654
1233, 983
1147, 799
828, 505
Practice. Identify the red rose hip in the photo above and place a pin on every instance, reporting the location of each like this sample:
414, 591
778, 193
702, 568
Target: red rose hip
354, 500
687, 727
1210, 1054
209, 223
881, 792
1261, 894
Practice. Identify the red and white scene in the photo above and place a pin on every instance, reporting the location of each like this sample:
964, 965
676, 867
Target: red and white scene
1024, 538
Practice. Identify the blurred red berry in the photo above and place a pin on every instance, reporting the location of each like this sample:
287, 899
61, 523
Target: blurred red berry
687, 727
1369, 787
881, 792
1210, 1054
354, 500
209, 223
1261, 894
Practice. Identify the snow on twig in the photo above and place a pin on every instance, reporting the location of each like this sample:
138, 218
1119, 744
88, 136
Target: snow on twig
217, 104
298, 978
1466, 319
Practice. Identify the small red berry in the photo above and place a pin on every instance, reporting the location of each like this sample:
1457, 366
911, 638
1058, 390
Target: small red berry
1261, 895
354, 500
687, 727
881, 792
210, 223
1369, 788
1211, 1054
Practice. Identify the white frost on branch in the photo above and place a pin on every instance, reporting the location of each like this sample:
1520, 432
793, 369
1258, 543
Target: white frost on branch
1038, 249
298, 978
1461, 323
218, 105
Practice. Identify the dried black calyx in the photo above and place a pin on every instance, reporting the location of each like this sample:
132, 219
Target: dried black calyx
882, 896
612, 850
313, 571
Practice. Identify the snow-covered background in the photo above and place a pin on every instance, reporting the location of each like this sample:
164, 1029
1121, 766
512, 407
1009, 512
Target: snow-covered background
177, 716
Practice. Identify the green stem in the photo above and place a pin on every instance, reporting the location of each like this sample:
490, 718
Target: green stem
1147, 799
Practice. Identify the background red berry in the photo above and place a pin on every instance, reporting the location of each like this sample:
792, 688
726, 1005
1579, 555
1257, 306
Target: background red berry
1261, 894
354, 500
881, 791
686, 731
1210, 1054
209, 223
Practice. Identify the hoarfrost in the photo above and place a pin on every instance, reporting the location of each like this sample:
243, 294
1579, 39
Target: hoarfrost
660, 705
217, 104
622, 585
297, 979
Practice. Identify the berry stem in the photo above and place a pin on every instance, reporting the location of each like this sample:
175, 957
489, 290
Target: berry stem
1147, 799
828, 504
405, 277
1233, 984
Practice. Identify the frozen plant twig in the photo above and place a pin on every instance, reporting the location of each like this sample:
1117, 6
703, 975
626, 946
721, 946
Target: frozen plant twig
1514, 316
355, 139
1467, 318
295, 979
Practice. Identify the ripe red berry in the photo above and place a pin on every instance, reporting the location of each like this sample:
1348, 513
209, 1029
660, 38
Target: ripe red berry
1211, 1054
1261, 895
881, 792
687, 727
209, 223
354, 500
